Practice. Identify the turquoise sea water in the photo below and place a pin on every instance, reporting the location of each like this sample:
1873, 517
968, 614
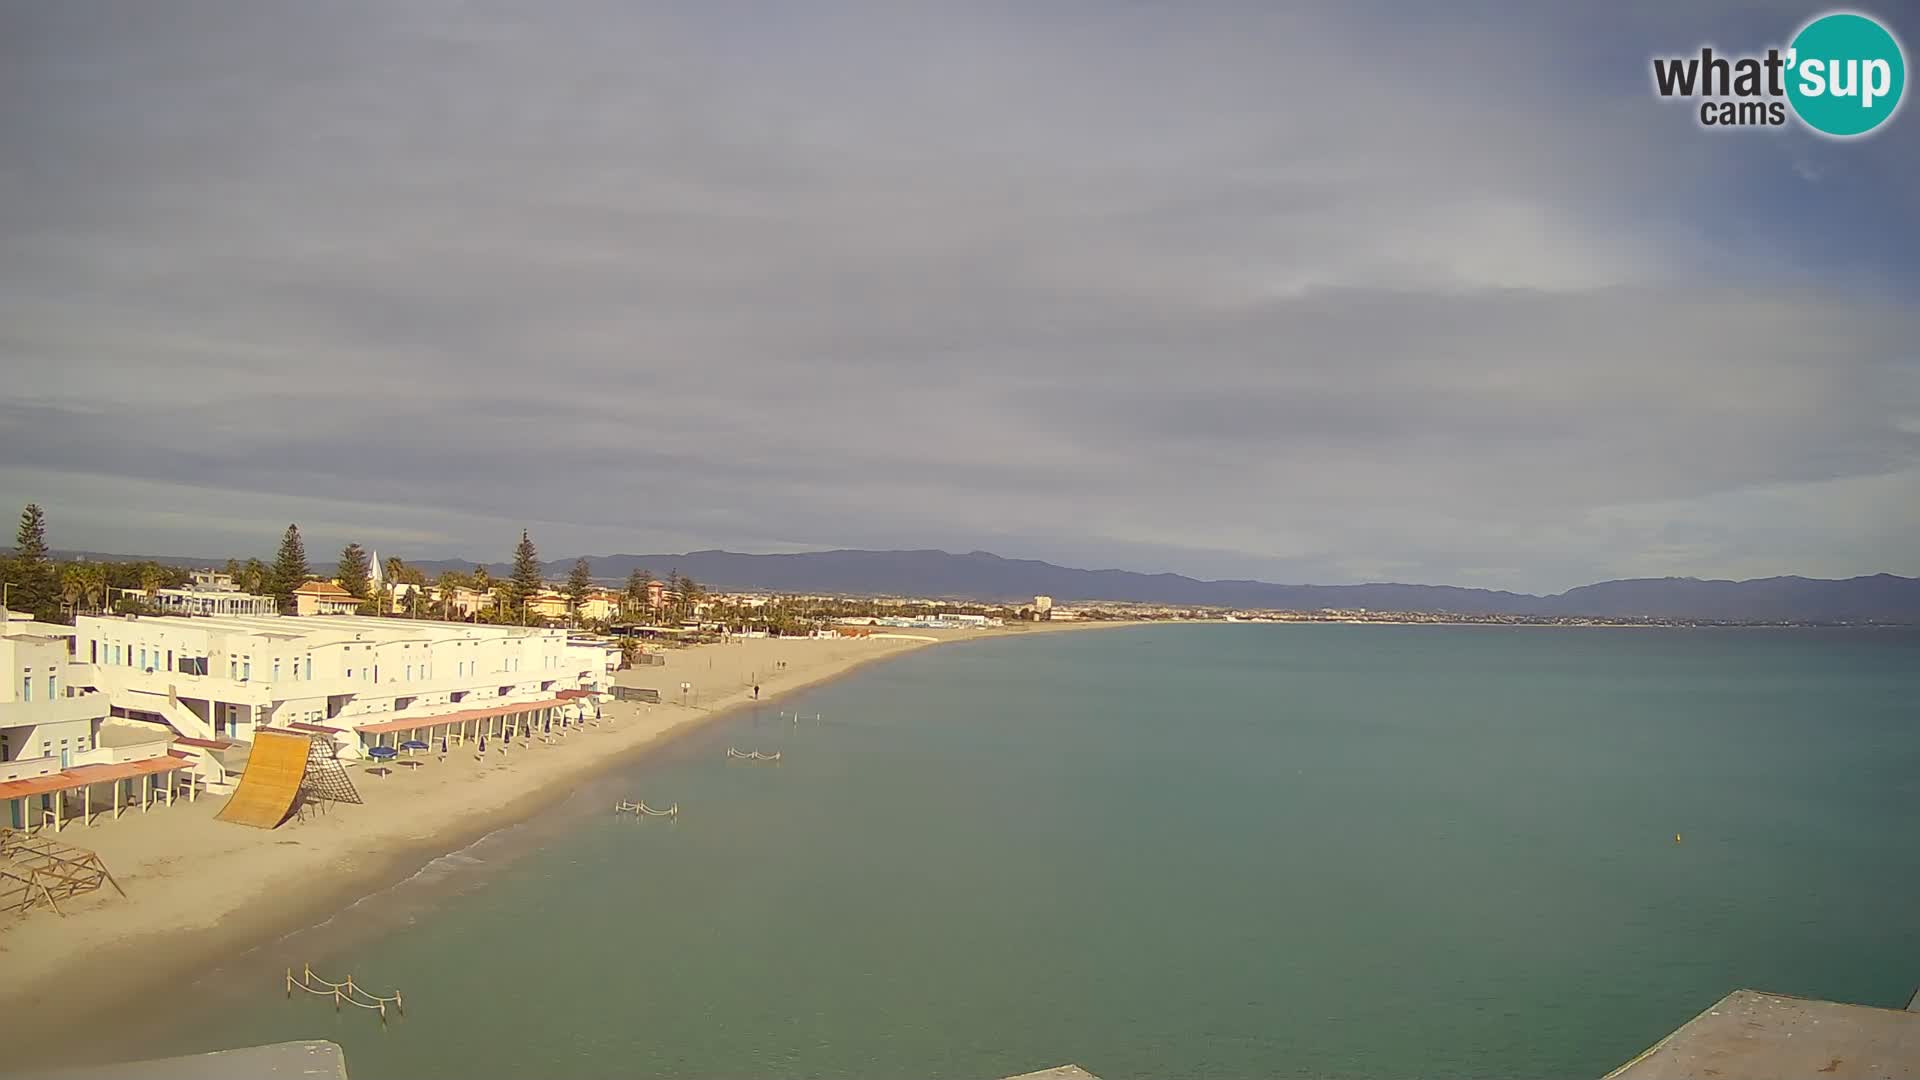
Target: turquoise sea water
1182, 851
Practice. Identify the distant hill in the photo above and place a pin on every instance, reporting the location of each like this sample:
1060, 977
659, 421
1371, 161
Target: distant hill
981, 575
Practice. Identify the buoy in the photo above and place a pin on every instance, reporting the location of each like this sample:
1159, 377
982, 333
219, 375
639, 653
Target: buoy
1676, 838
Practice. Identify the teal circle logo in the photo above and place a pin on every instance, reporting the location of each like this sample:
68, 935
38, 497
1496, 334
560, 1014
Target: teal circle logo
1846, 74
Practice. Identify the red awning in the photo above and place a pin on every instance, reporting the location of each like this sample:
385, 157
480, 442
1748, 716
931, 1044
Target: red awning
569, 695
82, 775
418, 723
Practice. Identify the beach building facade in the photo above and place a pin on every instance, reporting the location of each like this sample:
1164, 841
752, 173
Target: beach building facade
219, 680
48, 709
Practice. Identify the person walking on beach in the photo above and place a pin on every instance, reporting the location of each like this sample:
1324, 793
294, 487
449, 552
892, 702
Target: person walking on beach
756, 691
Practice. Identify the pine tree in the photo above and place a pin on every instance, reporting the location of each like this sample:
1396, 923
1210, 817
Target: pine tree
579, 583
34, 584
289, 568
673, 595
526, 575
355, 572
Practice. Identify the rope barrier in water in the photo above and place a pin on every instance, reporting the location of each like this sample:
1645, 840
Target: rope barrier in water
344, 993
641, 809
752, 755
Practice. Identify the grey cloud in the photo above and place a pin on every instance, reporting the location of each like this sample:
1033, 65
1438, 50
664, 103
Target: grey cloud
1085, 284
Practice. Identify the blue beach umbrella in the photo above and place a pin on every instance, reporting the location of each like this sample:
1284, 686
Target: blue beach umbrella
414, 744
383, 753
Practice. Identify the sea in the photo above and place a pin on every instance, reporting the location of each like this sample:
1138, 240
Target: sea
1168, 851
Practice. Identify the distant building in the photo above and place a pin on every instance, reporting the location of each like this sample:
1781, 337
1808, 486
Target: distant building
547, 604
600, 605
213, 593
953, 619
403, 594
1042, 605
465, 602
323, 598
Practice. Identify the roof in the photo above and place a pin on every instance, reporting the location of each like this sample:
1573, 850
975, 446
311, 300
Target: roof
317, 728
1748, 1033
414, 723
306, 1060
204, 744
326, 590
82, 775
569, 695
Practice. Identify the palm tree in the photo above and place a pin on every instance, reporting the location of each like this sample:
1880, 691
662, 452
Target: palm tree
73, 586
93, 585
151, 580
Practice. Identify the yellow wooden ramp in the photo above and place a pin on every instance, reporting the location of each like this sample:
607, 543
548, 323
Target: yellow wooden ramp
272, 780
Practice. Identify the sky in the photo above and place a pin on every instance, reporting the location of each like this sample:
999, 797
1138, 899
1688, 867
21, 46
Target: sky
1336, 293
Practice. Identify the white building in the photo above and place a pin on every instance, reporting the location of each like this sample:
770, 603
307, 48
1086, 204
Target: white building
953, 618
221, 679
47, 706
213, 593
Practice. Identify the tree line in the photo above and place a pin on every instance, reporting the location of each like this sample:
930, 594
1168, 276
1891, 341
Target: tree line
56, 591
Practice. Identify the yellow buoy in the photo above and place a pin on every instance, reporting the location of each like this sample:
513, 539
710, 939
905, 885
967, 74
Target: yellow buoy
1676, 838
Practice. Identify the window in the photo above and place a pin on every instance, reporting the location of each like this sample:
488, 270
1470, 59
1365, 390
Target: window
26, 688
409, 672
233, 668
276, 669
349, 673
143, 658
93, 651
169, 659
246, 668
53, 686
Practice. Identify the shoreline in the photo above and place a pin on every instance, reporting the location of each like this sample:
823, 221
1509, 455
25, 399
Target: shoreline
202, 894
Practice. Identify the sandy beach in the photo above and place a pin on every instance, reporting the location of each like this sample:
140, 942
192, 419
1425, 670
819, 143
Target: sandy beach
198, 889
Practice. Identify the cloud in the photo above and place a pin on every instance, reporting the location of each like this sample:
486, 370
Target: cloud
1192, 289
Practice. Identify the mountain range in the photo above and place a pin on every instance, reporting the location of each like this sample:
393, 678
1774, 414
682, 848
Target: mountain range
980, 575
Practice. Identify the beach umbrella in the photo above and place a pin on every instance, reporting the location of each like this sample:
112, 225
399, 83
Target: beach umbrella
383, 754
414, 744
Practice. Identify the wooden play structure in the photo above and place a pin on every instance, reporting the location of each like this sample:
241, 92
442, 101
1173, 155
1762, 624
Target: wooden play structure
343, 993
37, 871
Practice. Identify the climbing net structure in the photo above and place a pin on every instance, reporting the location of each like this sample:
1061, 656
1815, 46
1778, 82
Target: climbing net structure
326, 779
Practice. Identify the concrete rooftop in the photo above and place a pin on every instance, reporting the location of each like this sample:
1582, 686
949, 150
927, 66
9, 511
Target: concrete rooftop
1748, 1033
